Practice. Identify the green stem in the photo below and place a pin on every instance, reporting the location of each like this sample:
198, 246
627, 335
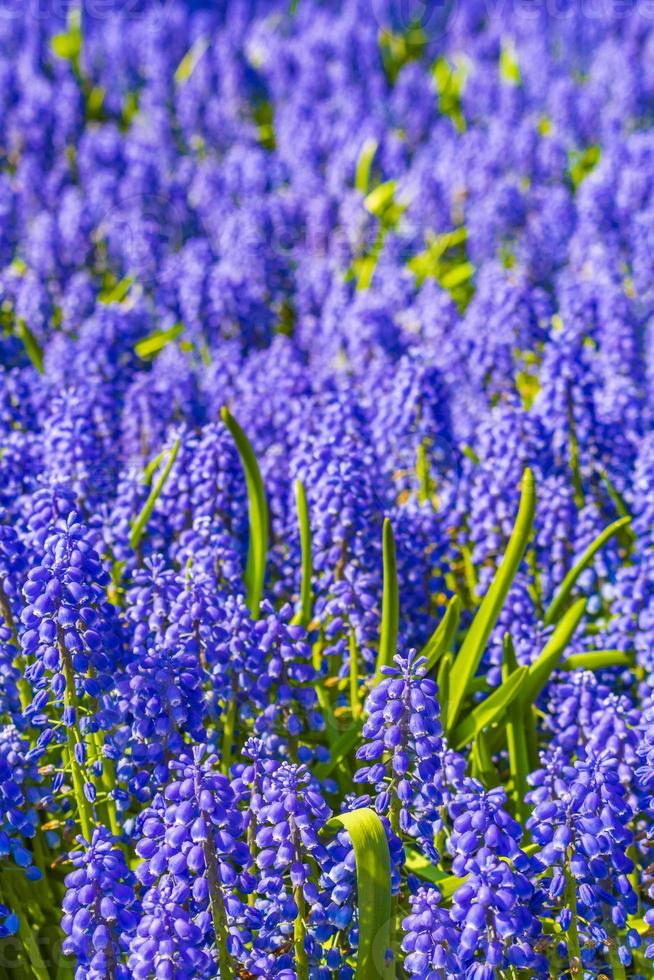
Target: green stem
299, 934
26, 933
531, 735
574, 947
108, 780
306, 594
634, 877
617, 967
355, 703
74, 736
515, 739
300, 925
422, 470
218, 913
228, 735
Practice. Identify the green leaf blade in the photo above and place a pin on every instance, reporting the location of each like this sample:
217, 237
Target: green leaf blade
151, 345
556, 607
516, 738
597, 660
490, 710
551, 654
140, 524
390, 623
255, 572
373, 874
470, 654
31, 345
306, 592
443, 636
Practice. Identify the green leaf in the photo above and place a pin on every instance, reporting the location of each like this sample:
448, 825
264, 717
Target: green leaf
516, 738
187, 65
68, 45
153, 466
118, 292
141, 521
155, 342
390, 603
373, 871
490, 710
481, 758
381, 199
509, 68
467, 661
417, 864
550, 656
597, 660
31, 345
556, 607
306, 595
26, 936
339, 751
443, 681
582, 163
255, 571
364, 165
443, 636
618, 500
457, 275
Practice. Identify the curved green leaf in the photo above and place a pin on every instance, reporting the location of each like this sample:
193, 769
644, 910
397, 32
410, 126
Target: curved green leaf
187, 65
151, 345
556, 607
141, 521
469, 656
443, 681
442, 637
31, 345
255, 570
597, 660
390, 623
516, 738
550, 656
364, 165
306, 594
341, 748
490, 710
418, 865
373, 871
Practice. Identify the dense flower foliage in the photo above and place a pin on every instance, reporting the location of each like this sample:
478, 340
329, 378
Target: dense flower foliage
326, 490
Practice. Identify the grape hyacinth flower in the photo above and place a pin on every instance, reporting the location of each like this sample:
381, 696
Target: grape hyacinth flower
100, 908
581, 822
193, 857
403, 749
431, 938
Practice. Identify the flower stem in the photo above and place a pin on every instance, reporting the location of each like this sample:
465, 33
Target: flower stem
218, 912
299, 933
574, 947
299, 926
228, 735
74, 736
355, 704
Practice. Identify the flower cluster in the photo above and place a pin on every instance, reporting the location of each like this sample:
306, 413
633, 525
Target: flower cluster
291, 297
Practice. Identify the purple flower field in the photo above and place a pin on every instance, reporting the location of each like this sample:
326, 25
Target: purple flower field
326, 490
